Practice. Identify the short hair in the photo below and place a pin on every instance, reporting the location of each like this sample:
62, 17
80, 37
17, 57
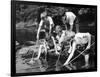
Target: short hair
58, 26
42, 10
43, 14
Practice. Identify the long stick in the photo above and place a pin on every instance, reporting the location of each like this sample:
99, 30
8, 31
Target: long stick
79, 55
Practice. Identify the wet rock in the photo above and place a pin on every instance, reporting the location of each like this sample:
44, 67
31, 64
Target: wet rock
29, 43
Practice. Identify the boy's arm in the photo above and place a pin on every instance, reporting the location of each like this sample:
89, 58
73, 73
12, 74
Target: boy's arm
55, 46
71, 54
51, 23
53, 41
39, 53
62, 38
40, 25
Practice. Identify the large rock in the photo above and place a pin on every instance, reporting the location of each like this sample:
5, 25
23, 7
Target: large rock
25, 34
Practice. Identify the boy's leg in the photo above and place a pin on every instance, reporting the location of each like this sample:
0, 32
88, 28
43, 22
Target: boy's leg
86, 57
71, 27
77, 25
87, 60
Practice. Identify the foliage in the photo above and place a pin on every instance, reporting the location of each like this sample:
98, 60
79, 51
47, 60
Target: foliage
26, 12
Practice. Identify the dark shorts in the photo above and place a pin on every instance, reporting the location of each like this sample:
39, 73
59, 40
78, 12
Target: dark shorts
81, 48
42, 35
75, 25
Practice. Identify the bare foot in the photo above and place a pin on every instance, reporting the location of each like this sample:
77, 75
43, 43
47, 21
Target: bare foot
86, 66
31, 62
36, 58
68, 67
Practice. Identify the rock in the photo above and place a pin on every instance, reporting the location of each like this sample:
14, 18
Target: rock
29, 43
23, 50
17, 43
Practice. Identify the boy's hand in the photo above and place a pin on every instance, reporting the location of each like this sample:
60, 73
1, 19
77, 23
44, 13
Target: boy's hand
88, 47
37, 37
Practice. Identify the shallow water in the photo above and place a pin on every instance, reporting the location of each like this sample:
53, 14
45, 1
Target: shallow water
22, 65
49, 64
